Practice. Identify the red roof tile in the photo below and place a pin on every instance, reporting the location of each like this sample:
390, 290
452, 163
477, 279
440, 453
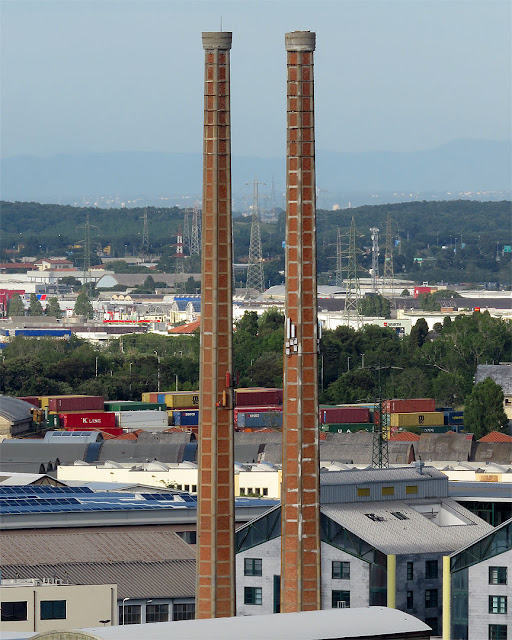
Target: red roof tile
404, 436
186, 328
496, 436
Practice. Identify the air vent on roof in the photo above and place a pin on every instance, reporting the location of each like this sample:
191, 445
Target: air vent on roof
399, 515
374, 517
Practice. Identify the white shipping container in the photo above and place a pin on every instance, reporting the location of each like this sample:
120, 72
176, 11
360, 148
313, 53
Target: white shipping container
146, 420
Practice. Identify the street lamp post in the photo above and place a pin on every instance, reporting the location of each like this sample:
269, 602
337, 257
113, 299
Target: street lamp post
96, 366
157, 371
348, 363
124, 600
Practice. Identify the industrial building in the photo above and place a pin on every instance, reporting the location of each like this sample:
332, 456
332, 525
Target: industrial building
384, 534
15, 416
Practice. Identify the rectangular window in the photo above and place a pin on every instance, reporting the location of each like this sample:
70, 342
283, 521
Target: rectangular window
433, 623
431, 569
497, 632
497, 575
252, 595
190, 537
363, 491
194, 488
131, 614
157, 613
183, 611
411, 489
242, 491
431, 598
340, 570
410, 599
186, 487
388, 491
265, 491
497, 604
252, 566
340, 599
53, 609
14, 611
410, 570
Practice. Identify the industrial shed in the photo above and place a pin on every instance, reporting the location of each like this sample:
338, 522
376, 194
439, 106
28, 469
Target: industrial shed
444, 446
15, 416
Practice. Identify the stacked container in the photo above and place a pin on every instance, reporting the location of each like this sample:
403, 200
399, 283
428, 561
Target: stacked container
145, 420
258, 397
343, 415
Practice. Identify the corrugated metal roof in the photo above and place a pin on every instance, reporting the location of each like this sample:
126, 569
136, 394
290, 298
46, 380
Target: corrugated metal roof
367, 476
416, 534
14, 409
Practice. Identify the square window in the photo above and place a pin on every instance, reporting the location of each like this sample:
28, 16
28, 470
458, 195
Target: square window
497, 632
497, 575
411, 489
157, 613
252, 595
410, 570
431, 569
431, 598
340, 599
497, 604
53, 610
340, 570
130, 615
14, 611
410, 599
253, 566
183, 611
433, 623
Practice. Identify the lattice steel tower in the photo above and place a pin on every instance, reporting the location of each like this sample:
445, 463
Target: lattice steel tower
195, 236
255, 280
339, 260
388, 279
380, 453
352, 311
87, 246
375, 258
145, 236
186, 232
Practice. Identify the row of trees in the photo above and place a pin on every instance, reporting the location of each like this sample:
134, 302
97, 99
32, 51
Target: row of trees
16, 307
354, 366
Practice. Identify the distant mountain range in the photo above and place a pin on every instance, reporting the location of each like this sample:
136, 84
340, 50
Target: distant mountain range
459, 166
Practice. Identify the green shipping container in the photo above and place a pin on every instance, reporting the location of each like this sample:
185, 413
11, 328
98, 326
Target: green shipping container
135, 405
353, 426
436, 429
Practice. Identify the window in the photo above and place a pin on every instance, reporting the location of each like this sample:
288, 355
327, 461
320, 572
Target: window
157, 613
265, 491
497, 632
399, 515
339, 597
190, 537
433, 623
242, 491
497, 575
374, 517
388, 491
53, 609
410, 570
497, 604
252, 595
194, 488
431, 598
411, 489
14, 611
340, 570
183, 611
363, 491
252, 566
186, 487
410, 599
131, 614
431, 569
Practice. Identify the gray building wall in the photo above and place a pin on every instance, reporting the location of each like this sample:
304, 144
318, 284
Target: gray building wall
479, 617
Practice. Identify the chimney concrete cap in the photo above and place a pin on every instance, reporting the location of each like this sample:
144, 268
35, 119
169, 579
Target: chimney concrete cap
300, 41
217, 40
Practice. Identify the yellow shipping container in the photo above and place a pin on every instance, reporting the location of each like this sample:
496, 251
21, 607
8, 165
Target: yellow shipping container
145, 396
182, 399
427, 419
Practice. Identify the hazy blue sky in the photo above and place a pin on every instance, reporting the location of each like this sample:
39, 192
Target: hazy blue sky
114, 75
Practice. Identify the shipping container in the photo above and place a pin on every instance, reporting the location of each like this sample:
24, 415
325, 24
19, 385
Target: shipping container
427, 419
179, 399
146, 420
32, 400
258, 397
344, 415
344, 427
98, 420
113, 431
412, 405
149, 396
258, 409
454, 417
134, 405
76, 403
260, 419
185, 417
436, 429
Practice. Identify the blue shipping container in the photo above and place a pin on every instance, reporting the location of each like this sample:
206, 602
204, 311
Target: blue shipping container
186, 418
260, 419
43, 333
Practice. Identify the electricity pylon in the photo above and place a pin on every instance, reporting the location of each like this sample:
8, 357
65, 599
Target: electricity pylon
388, 279
352, 311
375, 258
380, 452
186, 232
145, 236
339, 260
195, 237
255, 280
87, 246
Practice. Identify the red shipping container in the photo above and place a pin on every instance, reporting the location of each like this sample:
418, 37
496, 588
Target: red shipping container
87, 421
113, 431
32, 400
258, 397
344, 415
265, 409
413, 405
76, 403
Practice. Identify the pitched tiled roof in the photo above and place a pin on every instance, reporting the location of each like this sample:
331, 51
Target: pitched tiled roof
496, 436
404, 436
186, 328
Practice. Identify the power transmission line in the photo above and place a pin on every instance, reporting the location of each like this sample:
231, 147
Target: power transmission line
255, 278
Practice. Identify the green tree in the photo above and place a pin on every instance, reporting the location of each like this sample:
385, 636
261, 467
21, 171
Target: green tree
418, 334
83, 306
35, 308
483, 411
53, 308
375, 306
16, 307
405, 293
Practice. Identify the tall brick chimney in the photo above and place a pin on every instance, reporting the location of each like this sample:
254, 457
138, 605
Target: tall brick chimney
215, 592
300, 510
